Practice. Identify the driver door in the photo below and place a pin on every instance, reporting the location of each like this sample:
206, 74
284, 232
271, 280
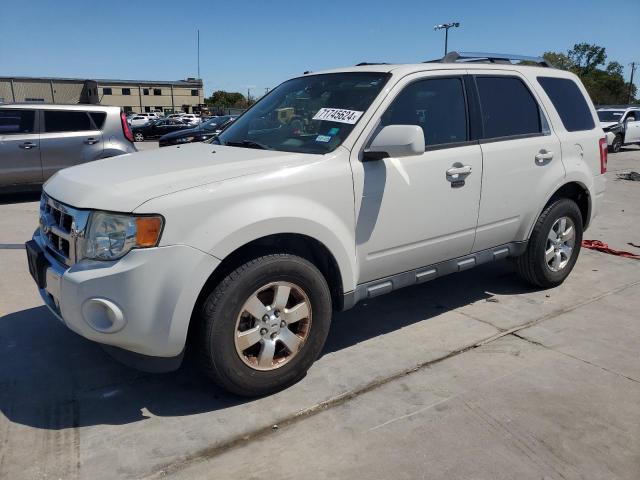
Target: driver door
632, 131
412, 212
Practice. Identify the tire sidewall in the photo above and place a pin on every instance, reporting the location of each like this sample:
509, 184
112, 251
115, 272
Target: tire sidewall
616, 145
560, 208
221, 343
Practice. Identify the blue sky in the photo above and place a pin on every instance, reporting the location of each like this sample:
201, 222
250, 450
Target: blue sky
261, 43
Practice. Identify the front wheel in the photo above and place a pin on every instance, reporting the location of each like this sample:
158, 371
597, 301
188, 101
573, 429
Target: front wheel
554, 245
262, 327
616, 145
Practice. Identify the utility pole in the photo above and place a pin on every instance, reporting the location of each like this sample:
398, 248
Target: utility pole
446, 27
633, 69
198, 53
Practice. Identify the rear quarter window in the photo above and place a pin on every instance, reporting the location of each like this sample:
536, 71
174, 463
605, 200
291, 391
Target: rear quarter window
569, 102
98, 119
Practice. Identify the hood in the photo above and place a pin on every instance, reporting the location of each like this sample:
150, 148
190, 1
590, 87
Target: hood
186, 132
125, 182
607, 124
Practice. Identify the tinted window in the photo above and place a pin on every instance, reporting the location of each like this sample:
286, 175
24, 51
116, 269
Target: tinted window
194, 93
508, 108
99, 118
569, 102
126, 91
145, 91
16, 121
435, 105
106, 91
157, 91
66, 121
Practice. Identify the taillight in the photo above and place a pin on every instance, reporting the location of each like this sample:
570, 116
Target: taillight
125, 127
604, 148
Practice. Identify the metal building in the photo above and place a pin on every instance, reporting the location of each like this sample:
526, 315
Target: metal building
131, 95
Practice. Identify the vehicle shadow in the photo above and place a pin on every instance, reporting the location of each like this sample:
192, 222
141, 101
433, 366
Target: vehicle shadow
51, 378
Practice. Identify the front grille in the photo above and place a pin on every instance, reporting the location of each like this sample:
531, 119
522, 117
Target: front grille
60, 226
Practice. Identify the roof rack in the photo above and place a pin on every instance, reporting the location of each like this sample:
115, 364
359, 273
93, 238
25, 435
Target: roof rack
362, 64
483, 57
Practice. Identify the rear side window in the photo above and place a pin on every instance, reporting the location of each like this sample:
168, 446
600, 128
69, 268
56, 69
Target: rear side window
508, 108
99, 118
436, 105
16, 121
66, 121
569, 102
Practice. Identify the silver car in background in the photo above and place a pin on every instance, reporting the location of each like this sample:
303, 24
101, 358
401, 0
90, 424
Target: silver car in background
38, 140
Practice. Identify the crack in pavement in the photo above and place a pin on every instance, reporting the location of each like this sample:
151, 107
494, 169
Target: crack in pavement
534, 342
258, 433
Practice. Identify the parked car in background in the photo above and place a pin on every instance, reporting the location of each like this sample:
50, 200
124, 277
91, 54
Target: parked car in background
38, 140
137, 120
202, 132
621, 124
157, 128
190, 117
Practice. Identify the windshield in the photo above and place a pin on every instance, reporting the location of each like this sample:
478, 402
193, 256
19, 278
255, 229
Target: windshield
312, 114
215, 122
610, 115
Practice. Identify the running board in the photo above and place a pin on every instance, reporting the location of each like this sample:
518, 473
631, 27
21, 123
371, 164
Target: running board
381, 286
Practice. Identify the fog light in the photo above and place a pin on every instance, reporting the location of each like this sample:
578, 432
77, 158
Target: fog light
103, 315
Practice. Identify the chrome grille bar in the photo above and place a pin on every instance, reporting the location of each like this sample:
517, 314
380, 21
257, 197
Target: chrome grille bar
62, 227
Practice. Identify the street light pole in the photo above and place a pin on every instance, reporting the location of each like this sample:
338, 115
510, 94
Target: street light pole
633, 70
446, 27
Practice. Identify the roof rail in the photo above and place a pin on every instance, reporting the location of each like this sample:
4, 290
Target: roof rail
483, 57
362, 64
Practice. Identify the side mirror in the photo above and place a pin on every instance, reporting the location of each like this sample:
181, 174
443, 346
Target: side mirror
396, 141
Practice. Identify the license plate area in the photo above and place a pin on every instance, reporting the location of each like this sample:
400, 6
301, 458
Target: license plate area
37, 262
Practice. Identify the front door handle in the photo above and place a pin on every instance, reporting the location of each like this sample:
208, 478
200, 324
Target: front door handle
91, 141
28, 145
454, 173
543, 157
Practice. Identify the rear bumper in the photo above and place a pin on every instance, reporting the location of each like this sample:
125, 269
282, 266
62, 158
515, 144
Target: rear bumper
141, 303
597, 197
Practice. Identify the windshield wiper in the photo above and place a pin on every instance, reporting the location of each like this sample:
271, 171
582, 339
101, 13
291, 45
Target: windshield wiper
247, 144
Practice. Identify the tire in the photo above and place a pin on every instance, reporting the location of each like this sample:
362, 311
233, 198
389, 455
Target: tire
138, 137
616, 145
535, 266
223, 317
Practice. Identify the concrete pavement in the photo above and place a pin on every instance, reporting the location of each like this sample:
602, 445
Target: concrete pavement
471, 376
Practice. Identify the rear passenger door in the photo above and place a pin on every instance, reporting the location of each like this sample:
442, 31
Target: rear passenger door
69, 137
521, 157
19, 147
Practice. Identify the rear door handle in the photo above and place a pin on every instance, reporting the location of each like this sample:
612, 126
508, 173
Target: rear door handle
91, 141
544, 156
454, 173
28, 145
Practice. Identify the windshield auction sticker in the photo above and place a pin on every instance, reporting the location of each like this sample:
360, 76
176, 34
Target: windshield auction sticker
337, 115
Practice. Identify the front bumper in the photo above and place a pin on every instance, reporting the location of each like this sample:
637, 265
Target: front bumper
141, 303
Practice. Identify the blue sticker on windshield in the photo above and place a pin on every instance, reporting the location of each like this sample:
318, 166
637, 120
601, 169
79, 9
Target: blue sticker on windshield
323, 138
333, 131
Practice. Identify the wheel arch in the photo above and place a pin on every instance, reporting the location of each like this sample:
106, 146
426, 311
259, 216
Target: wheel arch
579, 193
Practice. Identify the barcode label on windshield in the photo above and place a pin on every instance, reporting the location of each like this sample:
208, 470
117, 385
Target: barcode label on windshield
338, 115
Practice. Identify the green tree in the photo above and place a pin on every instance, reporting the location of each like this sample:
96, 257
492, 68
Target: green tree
222, 99
605, 85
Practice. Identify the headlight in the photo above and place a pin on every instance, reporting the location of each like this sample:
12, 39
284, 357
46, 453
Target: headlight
111, 236
185, 139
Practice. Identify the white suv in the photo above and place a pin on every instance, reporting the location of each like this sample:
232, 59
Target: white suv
621, 124
335, 187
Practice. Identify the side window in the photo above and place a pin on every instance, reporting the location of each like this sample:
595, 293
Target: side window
16, 121
66, 121
99, 118
437, 105
107, 91
569, 102
508, 108
633, 116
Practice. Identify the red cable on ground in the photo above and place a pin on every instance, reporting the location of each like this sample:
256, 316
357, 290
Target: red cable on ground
603, 247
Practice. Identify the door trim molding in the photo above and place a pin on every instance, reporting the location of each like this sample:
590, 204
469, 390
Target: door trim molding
416, 276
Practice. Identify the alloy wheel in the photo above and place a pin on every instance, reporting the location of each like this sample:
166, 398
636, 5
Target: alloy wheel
273, 325
560, 244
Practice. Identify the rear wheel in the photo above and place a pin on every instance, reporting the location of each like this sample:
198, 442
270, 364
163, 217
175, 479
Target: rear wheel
262, 327
554, 245
138, 137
